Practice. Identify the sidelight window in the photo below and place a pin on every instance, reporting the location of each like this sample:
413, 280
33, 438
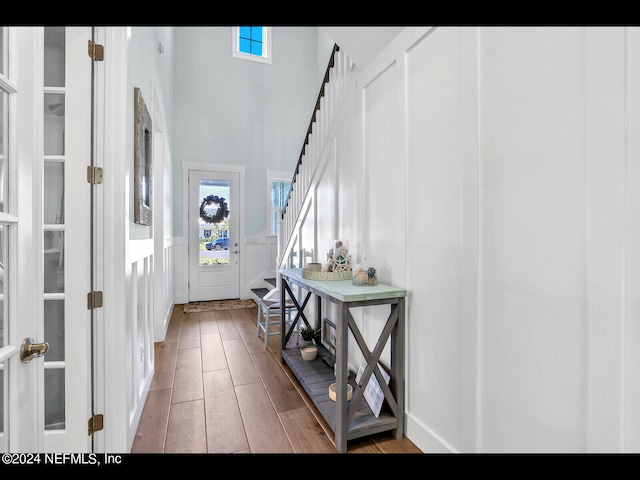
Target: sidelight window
278, 184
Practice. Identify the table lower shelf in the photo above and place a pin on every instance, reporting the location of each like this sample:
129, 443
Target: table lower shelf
316, 375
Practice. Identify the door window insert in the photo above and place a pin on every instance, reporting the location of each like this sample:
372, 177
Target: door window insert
214, 222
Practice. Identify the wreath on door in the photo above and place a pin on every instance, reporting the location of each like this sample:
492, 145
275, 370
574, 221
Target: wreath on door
221, 213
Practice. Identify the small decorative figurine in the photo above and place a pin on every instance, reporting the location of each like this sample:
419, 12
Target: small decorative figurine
338, 259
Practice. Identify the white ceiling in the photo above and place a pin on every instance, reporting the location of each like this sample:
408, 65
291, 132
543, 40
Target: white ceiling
362, 44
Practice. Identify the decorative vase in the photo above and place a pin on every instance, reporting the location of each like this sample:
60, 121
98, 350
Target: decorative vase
338, 257
363, 274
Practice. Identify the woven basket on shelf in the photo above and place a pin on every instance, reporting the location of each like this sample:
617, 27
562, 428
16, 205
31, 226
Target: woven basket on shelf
315, 275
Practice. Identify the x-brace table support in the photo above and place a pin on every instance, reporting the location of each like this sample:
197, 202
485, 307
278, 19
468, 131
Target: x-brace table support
345, 417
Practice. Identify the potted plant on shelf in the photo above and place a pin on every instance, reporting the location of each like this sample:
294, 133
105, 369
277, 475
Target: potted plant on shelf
308, 334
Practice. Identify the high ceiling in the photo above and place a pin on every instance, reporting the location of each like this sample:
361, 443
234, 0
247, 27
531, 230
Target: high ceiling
362, 44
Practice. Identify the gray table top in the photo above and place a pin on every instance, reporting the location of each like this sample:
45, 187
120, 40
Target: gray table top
345, 290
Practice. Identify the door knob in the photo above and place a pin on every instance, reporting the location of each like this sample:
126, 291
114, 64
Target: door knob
31, 350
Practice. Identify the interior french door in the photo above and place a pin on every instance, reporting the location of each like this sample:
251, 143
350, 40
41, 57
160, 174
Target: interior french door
44, 146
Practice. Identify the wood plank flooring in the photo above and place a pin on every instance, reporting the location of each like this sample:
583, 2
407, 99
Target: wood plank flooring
217, 390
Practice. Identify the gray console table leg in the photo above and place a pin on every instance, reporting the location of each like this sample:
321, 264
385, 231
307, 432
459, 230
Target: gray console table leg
397, 367
342, 375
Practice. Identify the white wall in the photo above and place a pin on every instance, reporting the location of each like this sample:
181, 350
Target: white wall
496, 178
232, 111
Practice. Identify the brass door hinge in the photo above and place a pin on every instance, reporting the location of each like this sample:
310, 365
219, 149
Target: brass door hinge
96, 51
94, 300
94, 175
96, 423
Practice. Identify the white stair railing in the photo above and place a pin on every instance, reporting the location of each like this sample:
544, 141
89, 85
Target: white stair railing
335, 80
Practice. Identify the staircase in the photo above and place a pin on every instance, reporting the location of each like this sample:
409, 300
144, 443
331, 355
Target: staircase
259, 293
333, 86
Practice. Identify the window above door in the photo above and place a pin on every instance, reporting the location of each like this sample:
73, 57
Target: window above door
251, 42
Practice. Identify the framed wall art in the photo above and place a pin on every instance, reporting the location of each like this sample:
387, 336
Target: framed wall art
143, 162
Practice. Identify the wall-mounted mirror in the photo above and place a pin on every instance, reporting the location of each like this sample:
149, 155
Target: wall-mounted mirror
143, 158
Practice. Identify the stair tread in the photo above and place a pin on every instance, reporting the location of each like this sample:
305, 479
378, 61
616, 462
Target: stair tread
260, 292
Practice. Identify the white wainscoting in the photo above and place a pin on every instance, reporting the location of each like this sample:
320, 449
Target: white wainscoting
150, 302
138, 350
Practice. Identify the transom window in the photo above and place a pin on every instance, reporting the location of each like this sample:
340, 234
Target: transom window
252, 42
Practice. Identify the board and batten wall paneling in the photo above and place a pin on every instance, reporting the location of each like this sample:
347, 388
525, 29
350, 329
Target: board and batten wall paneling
522, 239
631, 413
533, 245
383, 234
606, 251
139, 326
442, 237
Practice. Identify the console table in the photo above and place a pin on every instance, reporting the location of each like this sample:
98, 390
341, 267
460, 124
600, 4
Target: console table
354, 418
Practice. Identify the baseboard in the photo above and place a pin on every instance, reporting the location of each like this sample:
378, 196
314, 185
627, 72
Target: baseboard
423, 438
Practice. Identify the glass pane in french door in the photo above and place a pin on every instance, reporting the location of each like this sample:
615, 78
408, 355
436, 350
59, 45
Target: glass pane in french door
4, 332
54, 379
53, 225
53, 193
3, 55
3, 150
3, 316
214, 222
3, 145
54, 124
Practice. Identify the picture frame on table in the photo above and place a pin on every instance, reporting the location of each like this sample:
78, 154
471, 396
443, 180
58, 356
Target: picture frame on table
373, 393
329, 340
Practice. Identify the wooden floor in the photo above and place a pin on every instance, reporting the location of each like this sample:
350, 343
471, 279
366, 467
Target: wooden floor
217, 390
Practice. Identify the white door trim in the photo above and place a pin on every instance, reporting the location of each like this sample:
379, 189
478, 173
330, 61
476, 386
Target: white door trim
212, 167
160, 315
113, 228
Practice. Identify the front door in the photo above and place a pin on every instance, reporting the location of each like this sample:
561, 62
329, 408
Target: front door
214, 235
